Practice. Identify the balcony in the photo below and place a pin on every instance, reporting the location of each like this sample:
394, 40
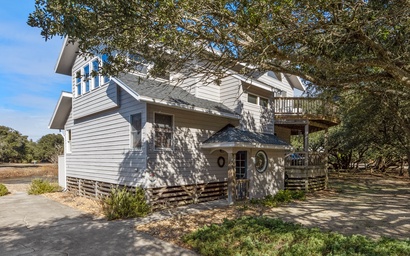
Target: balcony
294, 113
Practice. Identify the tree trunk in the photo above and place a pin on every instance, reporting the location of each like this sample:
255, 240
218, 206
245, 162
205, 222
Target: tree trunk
408, 162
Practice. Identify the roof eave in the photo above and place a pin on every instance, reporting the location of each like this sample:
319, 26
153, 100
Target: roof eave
189, 108
243, 145
61, 111
66, 58
295, 82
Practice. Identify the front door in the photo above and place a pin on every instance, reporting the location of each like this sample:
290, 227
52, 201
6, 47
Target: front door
241, 163
241, 183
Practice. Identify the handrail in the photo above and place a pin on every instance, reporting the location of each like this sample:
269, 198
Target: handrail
299, 159
302, 106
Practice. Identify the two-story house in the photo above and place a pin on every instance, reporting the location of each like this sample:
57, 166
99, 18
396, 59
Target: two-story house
183, 142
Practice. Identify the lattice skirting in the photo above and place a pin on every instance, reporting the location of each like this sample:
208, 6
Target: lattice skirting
163, 197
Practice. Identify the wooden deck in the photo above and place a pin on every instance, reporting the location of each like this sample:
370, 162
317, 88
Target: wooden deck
294, 113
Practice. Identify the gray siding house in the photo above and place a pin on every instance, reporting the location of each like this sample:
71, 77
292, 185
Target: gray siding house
182, 142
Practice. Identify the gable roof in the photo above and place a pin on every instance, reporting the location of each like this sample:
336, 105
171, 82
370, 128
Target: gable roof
61, 112
157, 92
229, 136
66, 58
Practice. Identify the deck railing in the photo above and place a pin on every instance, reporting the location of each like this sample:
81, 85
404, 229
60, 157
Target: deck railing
303, 106
300, 159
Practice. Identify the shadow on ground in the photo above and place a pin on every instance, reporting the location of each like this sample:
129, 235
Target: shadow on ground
371, 206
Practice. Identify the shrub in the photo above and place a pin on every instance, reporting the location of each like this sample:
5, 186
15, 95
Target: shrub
3, 190
282, 197
40, 186
122, 204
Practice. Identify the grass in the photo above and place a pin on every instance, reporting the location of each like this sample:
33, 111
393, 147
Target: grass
3, 190
41, 186
20, 170
123, 204
267, 236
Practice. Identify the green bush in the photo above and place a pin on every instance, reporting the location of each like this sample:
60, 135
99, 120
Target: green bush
3, 190
40, 186
122, 204
267, 236
282, 197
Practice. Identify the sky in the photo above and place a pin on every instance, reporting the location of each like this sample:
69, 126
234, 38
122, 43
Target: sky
29, 87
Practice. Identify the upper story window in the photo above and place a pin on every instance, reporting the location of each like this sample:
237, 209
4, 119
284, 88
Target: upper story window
87, 78
254, 99
68, 139
163, 128
136, 128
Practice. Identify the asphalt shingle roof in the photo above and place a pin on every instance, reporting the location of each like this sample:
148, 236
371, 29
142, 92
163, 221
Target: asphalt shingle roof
172, 94
231, 134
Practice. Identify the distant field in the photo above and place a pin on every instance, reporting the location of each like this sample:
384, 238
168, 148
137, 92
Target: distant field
28, 170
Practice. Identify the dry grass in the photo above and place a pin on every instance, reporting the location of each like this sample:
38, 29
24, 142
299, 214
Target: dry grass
22, 170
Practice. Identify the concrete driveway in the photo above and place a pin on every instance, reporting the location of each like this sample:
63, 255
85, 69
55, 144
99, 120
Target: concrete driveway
35, 225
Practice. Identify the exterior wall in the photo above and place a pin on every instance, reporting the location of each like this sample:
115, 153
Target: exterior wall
231, 90
281, 84
100, 99
187, 163
195, 85
270, 181
100, 145
255, 117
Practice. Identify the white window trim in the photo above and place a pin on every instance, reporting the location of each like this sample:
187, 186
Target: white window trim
173, 131
91, 78
130, 132
257, 99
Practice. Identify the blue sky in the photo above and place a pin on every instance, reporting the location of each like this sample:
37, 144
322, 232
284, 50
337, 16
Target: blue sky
29, 88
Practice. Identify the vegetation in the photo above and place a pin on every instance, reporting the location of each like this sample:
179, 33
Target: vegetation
122, 204
17, 148
3, 190
282, 197
266, 236
41, 186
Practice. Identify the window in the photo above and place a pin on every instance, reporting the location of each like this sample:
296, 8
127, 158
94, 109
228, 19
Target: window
163, 128
263, 102
96, 78
252, 99
241, 165
261, 161
86, 74
136, 127
88, 77
68, 139
78, 83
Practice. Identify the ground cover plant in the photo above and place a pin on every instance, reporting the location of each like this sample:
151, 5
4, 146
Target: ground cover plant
3, 190
41, 186
268, 236
122, 204
282, 197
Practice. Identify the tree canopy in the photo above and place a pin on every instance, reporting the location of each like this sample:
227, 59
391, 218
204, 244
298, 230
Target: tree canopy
330, 43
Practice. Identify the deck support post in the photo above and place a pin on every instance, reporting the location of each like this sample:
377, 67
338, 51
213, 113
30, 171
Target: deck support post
231, 177
306, 144
326, 159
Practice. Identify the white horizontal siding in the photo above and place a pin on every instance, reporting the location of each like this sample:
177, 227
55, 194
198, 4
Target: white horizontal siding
101, 143
277, 84
97, 100
187, 163
231, 90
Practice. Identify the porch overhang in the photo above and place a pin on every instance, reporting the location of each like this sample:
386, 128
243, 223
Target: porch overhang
229, 138
62, 111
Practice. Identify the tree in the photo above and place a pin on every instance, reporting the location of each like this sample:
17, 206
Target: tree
49, 147
13, 145
330, 43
